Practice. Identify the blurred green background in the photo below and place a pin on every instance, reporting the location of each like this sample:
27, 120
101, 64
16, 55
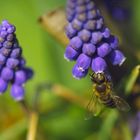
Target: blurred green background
59, 119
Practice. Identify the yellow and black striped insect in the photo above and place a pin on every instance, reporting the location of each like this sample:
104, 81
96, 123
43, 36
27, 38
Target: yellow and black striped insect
103, 95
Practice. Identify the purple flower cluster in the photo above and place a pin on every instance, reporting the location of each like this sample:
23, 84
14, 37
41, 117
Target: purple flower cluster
135, 126
91, 43
119, 9
12, 64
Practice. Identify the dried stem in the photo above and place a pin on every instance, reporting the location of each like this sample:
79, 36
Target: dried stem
58, 90
62, 92
49, 23
69, 95
25, 107
33, 122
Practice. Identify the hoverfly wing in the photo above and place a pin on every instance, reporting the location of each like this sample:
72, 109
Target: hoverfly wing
89, 107
93, 107
121, 104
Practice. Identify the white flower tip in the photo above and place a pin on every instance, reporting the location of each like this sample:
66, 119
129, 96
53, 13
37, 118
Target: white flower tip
18, 99
66, 58
81, 69
123, 60
76, 77
99, 71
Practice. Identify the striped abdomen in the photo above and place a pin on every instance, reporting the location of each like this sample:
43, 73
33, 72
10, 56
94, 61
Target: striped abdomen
104, 94
108, 101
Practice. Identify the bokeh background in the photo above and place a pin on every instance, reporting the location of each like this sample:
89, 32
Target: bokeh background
60, 119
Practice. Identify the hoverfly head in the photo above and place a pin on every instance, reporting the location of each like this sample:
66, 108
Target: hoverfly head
97, 78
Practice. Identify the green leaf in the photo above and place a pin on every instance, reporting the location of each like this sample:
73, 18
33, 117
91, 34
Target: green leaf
126, 132
132, 79
105, 131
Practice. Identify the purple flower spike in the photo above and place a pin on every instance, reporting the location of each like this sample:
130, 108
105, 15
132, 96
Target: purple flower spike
96, 37
137, 137
77, 25
20, 77
76, 43
10, 37
2, 59
114, 42
7, 44
100, 23
90, 25
91, 41
3, 34
71, 4
11, 29
85, 35
92, 14
1, 40
83, 61
70, 32
118, 9
7, 74
12, 63
103, 50
3, 85
89, 49
98, 65
16, 53
29, 73
12, 67
117, 58
81, 8
90, 5
5, 23
79, 72
106, 33
70, 54
82, 17
17, 92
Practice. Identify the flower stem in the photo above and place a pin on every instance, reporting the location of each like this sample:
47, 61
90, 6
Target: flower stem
25, 107
33, 122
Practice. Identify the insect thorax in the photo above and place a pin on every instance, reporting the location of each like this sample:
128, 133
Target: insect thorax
102, 89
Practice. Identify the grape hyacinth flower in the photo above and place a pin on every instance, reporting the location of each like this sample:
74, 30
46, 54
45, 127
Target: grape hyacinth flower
91, 43
135, 126
118, 9
12, 64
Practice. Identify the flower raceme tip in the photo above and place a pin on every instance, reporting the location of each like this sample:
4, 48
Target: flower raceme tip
12, 65
91, 42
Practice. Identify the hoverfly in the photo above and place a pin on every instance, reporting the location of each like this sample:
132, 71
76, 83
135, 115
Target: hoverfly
103, 95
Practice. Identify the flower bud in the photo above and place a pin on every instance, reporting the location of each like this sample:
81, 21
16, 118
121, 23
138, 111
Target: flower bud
98, 65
